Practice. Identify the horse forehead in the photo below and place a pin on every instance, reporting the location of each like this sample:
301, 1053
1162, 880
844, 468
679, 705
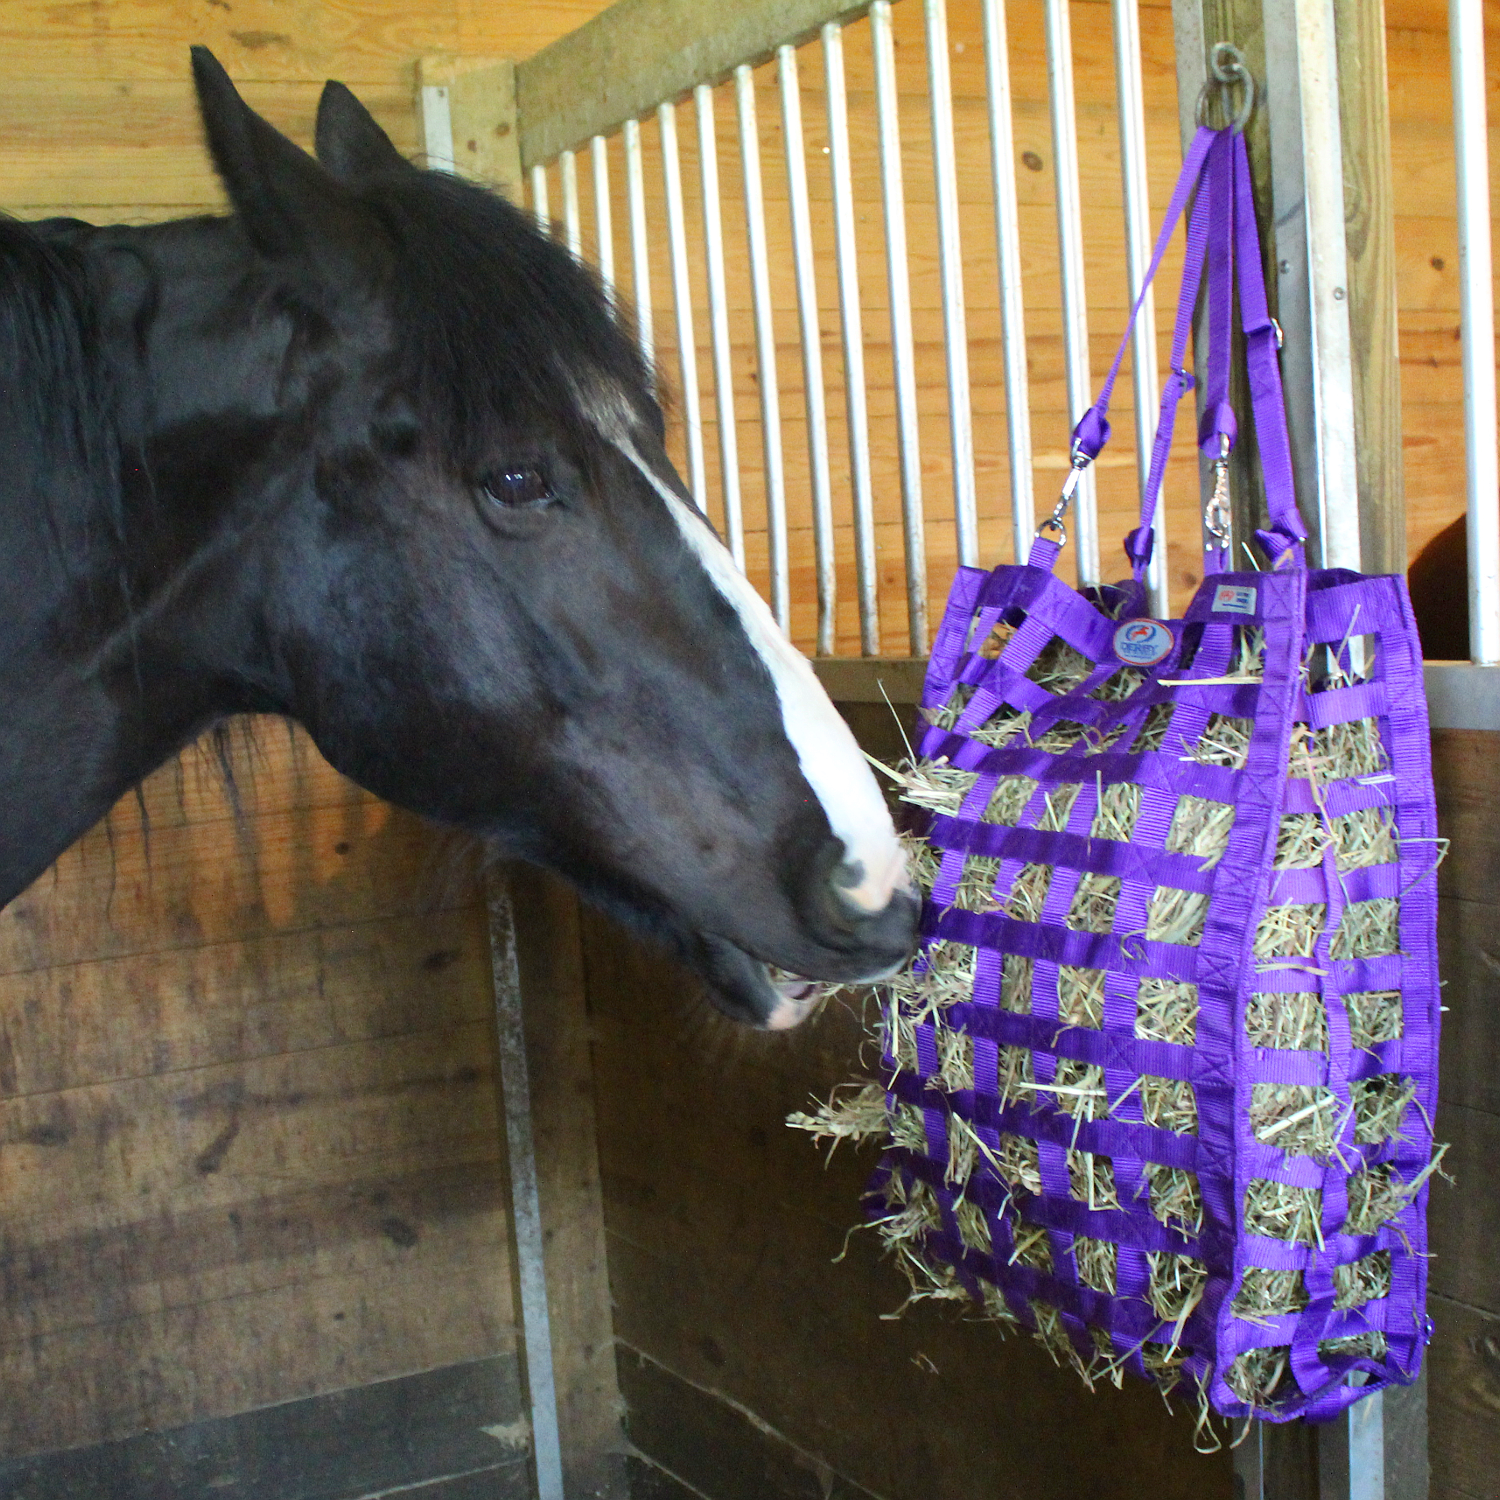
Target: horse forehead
830, 760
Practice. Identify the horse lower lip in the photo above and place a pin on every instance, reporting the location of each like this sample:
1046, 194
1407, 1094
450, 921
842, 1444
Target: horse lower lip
795, 988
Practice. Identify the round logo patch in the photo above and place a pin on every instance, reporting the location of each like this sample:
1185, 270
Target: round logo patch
1143, 643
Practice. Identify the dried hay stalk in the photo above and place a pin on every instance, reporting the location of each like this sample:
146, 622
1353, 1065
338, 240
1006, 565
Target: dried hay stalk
1177, 1284
1369, 929
1167, 1011
1119, 805
1225, 741
1290, 930
1169, 1104
1291, 1021
1091, 1179
1019, 1163
1093, 905
1176, 1198
1029, 893
1080, 996
1265, 1294
1201, 827
1097, 1262
1380, 1105
1374, 1017
1176, 916
1283, 1212
1301, 1119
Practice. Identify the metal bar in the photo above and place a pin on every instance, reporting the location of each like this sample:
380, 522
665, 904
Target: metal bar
903, 356
1131, 107
539, 205
526, 1210
604, 226
812, 347
765, 346
718, 323
1302, 100
437, 127
636, 53
1085, 528
846, 257
682, 301
1476, 268
951, 276
1008, 255
572, 223
640, 265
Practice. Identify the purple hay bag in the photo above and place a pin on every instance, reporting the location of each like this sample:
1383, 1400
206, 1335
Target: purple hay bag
1297, 609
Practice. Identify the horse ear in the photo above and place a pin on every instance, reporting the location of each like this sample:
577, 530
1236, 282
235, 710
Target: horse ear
350, 144
286, 202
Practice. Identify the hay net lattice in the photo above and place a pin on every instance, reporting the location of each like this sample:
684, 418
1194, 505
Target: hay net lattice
1161, 1078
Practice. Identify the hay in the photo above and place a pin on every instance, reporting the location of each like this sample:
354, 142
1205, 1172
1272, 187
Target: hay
1018, 1161
1118, 807
1266, 1294
1097, 1262
1057, 803
1091, 1179
1380, 1106
1153, 731
1225, 741
1169, 1104
1280, 1211
1176, 1198
1365, 1280
1200, 827
1176, 1285
1294, 1021
1290, 930
973, 1228
1079, 1090
1016, 977
1374, 1017
1369, 929
1301, 1119
1166, 1010
1029, 893
1093, 905
1080, 996
1259, 1377
1176, 916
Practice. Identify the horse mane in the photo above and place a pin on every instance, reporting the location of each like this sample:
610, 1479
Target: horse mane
60, 419
496, 322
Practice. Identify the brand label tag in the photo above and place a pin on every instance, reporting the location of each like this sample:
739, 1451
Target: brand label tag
1143, 643
1234, 599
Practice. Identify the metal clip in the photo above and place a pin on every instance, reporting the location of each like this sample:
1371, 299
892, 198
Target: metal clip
1226, 71
1217, 516
1054, 522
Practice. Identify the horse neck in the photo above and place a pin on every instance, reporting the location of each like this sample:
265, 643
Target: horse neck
104, 590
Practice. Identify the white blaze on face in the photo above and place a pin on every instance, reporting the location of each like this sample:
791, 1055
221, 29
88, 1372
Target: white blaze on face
832, 763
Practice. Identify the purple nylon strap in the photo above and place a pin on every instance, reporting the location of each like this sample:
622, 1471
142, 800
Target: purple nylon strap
1223, 246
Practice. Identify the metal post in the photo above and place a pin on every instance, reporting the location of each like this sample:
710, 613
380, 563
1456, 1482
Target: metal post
604, 230
682, 302
640, 262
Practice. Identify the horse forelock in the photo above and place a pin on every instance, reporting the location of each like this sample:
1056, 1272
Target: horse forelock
499, 328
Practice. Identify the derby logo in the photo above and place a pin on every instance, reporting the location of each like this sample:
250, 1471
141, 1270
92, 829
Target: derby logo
1143, 643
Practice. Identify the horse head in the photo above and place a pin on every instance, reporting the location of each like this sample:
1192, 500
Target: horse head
418, 497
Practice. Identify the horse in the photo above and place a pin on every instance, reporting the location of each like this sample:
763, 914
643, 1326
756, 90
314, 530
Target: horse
373, 453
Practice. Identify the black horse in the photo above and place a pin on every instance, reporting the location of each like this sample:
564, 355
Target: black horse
372, 453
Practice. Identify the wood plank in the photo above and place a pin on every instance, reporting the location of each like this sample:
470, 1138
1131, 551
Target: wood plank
1466, 770
204, 883
1464, 1398
99, 1020
723, 1230
1464, 1217
440, 1425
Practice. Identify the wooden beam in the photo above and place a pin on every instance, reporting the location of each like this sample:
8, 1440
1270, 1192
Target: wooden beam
639, 53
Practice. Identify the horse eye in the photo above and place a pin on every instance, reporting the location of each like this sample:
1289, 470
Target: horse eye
513, 487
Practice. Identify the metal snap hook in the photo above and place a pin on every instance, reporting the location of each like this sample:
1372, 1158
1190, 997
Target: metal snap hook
1226, 71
